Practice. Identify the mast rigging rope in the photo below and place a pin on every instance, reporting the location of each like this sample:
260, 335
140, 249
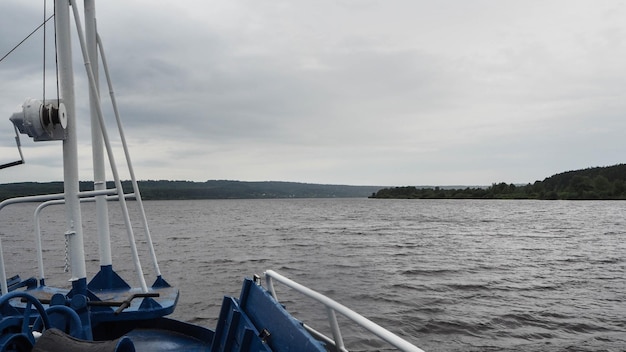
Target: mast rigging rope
28, 36
45, 2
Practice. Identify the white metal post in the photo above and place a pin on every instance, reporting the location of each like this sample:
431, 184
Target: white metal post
334, 326
97, 144
107, 143
70, 144
131, 169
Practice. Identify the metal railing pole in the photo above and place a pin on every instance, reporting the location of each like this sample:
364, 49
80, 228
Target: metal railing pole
129, 163
360, 320
334, 326
107, 143
83, 198
270, 286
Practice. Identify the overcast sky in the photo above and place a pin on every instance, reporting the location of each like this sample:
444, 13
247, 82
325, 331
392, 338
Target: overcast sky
362, 92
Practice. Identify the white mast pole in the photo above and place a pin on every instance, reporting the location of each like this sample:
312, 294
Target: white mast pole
97, 144
74, 233
118, 183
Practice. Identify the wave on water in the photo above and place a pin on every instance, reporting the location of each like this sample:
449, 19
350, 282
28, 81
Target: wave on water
466, 275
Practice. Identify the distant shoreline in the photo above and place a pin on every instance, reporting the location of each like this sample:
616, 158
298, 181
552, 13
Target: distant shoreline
212, 189
598, 183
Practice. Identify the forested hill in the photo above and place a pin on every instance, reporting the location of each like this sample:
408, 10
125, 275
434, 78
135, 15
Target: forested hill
214, 189
592, 183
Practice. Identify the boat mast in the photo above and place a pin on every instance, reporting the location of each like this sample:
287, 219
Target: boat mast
97, 143
74, 226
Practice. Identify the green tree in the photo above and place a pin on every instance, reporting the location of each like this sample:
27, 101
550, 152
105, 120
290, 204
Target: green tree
601, 186
618, 189
580, 185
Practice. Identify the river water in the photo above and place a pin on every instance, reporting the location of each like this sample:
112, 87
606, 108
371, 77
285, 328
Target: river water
448, 275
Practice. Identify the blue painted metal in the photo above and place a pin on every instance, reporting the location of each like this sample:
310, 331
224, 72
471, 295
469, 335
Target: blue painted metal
63, 318
15, 282
258, 323
162, 334
15, 342
79, 304
103, 306
104, 303
254, 322
107, 279
138, 307
79, 286
71, 316
15, 325
160, 282
163, 340
235, 332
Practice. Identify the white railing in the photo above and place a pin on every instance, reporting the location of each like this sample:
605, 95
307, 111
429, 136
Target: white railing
40, 198
333, 307
110, 195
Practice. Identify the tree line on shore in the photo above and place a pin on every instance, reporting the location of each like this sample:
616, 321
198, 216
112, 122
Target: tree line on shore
592, 183
212, 189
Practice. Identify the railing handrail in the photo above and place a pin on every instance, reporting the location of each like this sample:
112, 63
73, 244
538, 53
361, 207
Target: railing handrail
53, 196
111, 194
334, 306
38, 198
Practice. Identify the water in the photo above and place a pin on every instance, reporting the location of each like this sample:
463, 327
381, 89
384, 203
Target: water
448, 275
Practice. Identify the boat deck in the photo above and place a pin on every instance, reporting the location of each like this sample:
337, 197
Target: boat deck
155, 340
121, 304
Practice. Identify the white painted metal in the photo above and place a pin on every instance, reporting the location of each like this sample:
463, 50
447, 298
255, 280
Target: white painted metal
18, 143
334, 327
48, 199
97, 144
41, 120
319, 336
91, 194
70, 144
131, 169
38, 122
374, 328
118, 184
3, 275
34, 199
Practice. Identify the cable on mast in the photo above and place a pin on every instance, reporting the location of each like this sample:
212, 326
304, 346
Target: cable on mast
23, 40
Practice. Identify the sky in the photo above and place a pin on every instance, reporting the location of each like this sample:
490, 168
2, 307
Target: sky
358, 92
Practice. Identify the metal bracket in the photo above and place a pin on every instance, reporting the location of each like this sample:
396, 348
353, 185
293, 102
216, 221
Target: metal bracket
19, 148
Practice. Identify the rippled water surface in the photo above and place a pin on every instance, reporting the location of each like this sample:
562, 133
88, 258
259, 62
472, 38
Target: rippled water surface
448, 275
